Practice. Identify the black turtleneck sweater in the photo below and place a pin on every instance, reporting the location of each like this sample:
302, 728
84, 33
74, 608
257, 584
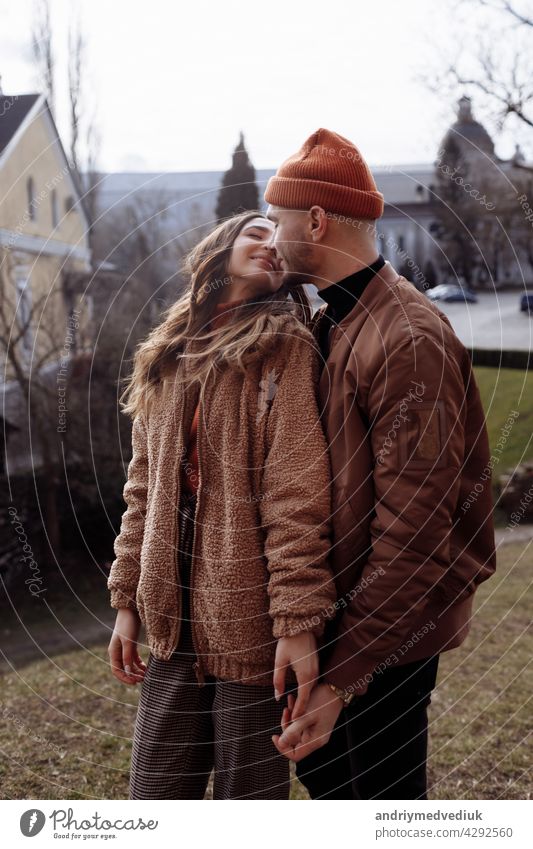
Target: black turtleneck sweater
341, 298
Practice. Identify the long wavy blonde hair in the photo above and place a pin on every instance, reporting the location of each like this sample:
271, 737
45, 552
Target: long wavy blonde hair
184, 337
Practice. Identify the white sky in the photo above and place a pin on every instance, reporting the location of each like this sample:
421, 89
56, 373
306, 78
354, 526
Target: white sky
174, 82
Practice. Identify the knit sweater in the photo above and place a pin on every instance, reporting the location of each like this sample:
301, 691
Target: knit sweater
259, 569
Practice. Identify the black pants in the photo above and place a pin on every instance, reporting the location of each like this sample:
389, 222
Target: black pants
378, 748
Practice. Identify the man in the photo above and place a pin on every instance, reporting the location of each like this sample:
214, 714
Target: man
412, 520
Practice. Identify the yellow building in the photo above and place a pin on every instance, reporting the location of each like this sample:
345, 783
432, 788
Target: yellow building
44, 234
44, 237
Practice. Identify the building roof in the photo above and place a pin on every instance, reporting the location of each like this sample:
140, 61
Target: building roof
400, 184
405, 184
13, 111
467, 134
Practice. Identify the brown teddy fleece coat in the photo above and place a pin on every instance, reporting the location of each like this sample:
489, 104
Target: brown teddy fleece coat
259, 568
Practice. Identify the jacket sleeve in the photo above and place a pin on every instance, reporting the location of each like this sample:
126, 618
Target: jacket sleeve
125, 569
295, 501
416, 407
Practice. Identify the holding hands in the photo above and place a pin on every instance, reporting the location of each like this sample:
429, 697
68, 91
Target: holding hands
309, 719
302, 736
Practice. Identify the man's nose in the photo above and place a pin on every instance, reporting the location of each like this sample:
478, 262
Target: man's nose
270, 242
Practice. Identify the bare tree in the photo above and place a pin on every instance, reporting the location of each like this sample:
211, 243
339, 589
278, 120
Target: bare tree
500, 67
479, 219
92, 177
76, 57
458, 215
56, 352
85, 137
140, 237
41, 42
26, 353
523, 236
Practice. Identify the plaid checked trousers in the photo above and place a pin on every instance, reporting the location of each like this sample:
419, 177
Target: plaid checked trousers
183, 730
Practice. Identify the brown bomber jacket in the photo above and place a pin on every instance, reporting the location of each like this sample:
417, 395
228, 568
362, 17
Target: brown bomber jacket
263, 528
413, 532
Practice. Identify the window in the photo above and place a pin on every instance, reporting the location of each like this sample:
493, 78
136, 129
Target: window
24, 305
401, 243
53, 203
69, 203
30, 191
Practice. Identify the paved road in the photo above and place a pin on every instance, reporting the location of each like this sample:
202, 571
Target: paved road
523, 533
494, 322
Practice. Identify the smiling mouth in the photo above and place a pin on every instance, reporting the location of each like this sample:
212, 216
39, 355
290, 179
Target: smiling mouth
269, 264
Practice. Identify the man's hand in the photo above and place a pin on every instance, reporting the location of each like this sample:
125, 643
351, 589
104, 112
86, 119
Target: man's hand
301, 737
300, 653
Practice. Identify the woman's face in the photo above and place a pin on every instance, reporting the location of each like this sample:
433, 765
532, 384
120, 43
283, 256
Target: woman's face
254, 267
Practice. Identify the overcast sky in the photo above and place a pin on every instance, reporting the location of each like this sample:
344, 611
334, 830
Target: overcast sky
174, 82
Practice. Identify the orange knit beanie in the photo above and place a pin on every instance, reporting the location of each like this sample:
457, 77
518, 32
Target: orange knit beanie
329, 171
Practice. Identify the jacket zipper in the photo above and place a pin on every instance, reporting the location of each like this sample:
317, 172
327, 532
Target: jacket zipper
197, 665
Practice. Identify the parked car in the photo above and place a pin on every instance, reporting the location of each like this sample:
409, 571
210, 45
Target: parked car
526, 302
451, 292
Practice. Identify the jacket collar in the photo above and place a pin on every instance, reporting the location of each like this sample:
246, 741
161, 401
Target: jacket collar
373, 292
379, 288
341, 296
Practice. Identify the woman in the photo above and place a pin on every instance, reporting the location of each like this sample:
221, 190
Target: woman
235, 580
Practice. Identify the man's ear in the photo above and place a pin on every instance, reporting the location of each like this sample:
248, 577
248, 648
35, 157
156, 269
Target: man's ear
318, 223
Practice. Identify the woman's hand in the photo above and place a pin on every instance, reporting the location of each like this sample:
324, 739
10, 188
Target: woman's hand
310, 732
300, 653
126, 665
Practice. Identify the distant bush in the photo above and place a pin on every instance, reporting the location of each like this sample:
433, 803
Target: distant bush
494, 358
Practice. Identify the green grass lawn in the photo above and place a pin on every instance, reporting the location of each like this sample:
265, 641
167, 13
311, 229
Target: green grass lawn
66, 724
504, 391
